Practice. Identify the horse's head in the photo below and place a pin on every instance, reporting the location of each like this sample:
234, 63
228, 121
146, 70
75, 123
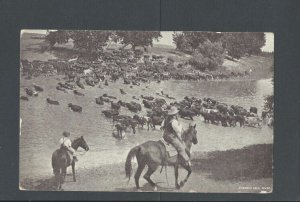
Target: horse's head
190, 134
80, 142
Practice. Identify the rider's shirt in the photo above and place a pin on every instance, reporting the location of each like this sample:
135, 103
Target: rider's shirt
65, 142
175, 127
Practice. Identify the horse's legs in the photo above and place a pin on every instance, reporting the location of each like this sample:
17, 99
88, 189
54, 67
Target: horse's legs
138, 173
189, 169
64, 173
176, 175
60, 180
73, 171
151, 170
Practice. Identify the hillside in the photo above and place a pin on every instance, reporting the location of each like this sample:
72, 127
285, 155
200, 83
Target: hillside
33, 47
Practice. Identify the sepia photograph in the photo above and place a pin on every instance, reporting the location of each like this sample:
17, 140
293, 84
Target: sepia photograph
146, 111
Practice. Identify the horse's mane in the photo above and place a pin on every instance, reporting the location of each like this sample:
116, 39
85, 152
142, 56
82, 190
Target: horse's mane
185, 132
75, 140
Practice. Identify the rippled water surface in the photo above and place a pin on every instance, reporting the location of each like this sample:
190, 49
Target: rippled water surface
43, 124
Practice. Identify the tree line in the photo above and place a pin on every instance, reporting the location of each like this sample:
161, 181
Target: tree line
208, 49
94, 41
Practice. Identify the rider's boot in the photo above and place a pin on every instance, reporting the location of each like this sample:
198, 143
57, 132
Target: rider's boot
188, 163
75, 158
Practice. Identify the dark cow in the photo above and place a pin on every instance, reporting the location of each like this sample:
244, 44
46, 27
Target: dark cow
61, 89
105, 99
76, 92
75, 108
38, 88
141, 120
210, 117
154, 121
53, 102
123, 104
240, 119
109, 96
99, 101
115, 106
187, 113
122, 92
24, 98
31, 92
253, 110
79, 84
148, 104
110, 113
147, 97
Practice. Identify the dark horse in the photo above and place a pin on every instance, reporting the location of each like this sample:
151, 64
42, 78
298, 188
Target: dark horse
153, 154
61, 160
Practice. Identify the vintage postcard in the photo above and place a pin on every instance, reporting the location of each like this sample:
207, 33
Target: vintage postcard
166, 111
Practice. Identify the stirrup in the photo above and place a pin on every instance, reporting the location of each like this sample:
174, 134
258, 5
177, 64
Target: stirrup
188, 163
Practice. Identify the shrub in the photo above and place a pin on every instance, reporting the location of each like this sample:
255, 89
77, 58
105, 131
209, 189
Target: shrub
208, 56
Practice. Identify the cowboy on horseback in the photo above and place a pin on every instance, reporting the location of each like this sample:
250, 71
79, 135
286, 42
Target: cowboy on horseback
172, 133
66, 143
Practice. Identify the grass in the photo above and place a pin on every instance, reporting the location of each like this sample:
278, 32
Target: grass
248, 163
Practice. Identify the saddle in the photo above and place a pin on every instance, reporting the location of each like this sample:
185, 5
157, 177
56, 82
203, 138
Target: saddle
64, 149
169, 148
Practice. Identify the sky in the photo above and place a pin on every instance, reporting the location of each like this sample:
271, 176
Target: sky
167, 39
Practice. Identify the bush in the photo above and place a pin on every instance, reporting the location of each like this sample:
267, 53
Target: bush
269, 103
208, 56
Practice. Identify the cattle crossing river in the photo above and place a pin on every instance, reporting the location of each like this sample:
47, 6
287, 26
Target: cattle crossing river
42, 124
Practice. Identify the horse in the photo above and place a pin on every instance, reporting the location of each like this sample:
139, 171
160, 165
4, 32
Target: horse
153, 154
61, 161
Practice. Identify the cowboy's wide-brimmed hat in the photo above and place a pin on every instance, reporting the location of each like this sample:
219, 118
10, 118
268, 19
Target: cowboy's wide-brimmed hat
173, 111
66, 134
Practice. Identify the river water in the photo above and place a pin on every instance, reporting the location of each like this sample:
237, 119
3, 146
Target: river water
43, 124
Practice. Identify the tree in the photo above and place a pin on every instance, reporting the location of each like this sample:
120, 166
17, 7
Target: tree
208, 55
181, 42
137, 38
239, 43
90, 41
60, 37
189, 41
269, 103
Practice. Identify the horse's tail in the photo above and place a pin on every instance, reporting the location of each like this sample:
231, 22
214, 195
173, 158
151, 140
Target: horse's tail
128, 166
55, 164
56, 168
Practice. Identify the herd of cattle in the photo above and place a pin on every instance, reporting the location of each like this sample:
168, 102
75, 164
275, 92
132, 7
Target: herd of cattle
129, 68
123, 64
211, 110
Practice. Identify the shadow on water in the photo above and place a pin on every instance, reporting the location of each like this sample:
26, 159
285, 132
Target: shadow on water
249, 163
